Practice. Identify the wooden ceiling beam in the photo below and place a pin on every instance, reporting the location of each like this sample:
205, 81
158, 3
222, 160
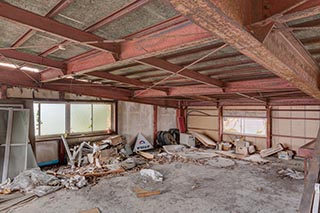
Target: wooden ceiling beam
277, 53
172, 68
45, 24
261, 85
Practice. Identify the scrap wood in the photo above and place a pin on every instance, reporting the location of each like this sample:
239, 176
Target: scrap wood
256, 158
18, 201
5, 198
144, 193
271, 151
204, 139
94, 210
146, 155
116, 171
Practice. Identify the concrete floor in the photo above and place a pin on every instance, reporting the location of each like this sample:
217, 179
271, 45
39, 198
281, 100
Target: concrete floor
243, 187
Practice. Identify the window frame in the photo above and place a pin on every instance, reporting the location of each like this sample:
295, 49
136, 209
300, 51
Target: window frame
68, 118
242, 126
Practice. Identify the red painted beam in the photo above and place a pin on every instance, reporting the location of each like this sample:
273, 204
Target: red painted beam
54, 48
97, 60
167, 66
178, 36
53, 27
33, 59
158, 27
23, 38
53, 12
63, 4
14, 77
120, 78
271, 84
117, 14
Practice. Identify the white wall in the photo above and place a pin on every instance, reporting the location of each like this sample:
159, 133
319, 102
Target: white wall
166, 119
134, 118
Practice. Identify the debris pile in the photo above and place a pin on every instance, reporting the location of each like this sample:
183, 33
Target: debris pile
31, 181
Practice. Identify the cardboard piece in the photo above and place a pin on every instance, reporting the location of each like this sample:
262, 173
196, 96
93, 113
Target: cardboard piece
142, 144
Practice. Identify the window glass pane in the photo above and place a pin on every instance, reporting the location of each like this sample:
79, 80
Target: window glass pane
232, 125
255, 126
101, 117
80, 118
36, 115
52, 118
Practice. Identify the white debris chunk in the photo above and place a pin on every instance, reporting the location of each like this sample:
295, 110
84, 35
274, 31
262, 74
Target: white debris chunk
155, 175
292, 173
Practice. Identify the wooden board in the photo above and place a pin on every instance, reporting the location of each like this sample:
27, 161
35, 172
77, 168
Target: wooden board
204, 139
94, 210
144, 193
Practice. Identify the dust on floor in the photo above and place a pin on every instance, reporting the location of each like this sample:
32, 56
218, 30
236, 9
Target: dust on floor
217, 187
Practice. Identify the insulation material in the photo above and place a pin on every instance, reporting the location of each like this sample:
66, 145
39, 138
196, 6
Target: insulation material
39, 7
94, 10
10, 32
148, 15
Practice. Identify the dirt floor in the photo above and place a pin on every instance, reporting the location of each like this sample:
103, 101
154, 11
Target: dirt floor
223, 186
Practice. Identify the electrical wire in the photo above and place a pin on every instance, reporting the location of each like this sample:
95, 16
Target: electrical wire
182, 69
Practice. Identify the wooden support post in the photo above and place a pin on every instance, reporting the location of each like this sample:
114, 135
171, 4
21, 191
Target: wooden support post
32, 137
7, 147
155, 123
312, 178
269, 126
181, 115
3, 92
220, 120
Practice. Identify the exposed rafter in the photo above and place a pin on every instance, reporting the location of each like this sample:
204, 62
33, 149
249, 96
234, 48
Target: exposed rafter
193, 75
278, 54
33, 59
13, 77
271, 84
180, 36
53, 12
48, 25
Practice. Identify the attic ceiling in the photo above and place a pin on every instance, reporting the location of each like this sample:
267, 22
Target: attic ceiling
147, 51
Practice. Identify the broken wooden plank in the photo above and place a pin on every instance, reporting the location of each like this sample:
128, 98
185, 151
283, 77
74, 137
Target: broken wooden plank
204, 139
273, 150
94, 210
144, 193
18, 201
146, 155
116, 171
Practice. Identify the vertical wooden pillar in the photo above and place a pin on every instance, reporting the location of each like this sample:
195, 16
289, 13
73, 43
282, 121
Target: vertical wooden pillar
115, 117
312, 178
32, 137
269, 126
181, 115
3, 92
155, 122
220, 123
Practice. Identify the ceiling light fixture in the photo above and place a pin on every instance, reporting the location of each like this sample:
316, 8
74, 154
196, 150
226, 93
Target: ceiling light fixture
17, 67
